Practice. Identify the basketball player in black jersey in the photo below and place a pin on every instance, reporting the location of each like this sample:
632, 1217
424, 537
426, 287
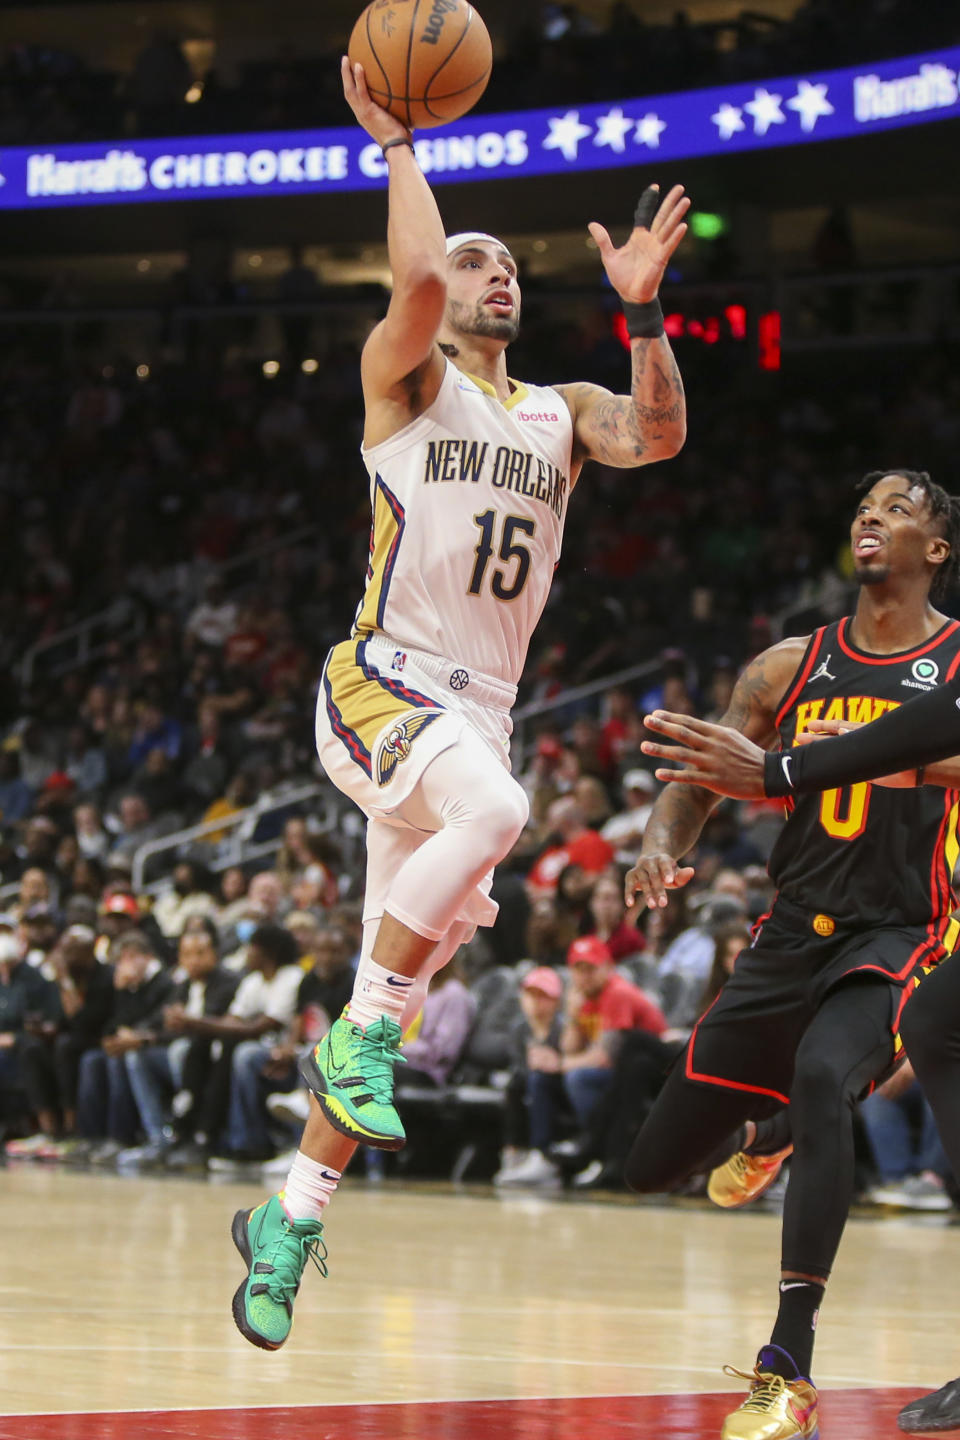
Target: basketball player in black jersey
863, 908
902, 748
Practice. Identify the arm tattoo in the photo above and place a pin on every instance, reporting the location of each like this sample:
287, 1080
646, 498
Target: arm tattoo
620, 430
664, 389
677, 818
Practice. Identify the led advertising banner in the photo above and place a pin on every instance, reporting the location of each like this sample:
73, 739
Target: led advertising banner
828, 105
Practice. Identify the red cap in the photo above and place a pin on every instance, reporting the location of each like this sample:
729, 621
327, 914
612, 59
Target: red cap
58, 780
545, 980
120, 904
589, 950
549, 747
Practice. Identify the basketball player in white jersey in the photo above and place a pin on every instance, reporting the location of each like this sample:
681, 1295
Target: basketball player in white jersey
470, 477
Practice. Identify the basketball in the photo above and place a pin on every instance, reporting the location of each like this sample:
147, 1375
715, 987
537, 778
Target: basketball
426, 61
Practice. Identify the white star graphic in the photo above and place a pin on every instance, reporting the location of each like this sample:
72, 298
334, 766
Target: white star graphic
728, 120
765, 109
811, 102
566, 132
613, 129
649, 130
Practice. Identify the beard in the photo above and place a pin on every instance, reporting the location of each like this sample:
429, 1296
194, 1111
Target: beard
871, 574
477, 321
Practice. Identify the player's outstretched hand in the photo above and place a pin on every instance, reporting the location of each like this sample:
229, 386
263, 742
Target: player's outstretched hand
636, 269
652, 877
712, 756
379, 124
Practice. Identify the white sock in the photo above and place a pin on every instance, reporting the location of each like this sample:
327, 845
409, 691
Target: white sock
309, 1188
377, 992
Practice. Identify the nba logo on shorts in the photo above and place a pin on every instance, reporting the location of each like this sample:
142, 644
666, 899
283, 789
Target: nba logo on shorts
399, 660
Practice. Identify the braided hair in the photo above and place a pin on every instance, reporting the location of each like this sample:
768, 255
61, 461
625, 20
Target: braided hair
944, 509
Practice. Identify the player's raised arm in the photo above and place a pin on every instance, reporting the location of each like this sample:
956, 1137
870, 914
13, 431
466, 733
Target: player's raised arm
681, 810
403, 343
651, 422
921, 738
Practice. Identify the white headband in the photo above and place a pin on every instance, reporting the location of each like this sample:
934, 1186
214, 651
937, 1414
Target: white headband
470, 237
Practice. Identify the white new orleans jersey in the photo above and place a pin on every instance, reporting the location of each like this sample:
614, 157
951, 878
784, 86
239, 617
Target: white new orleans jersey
468, 505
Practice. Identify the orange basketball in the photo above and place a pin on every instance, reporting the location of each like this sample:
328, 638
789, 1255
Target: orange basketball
426, 61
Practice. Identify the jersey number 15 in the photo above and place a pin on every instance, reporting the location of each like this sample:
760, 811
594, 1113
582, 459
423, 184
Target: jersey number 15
510, 549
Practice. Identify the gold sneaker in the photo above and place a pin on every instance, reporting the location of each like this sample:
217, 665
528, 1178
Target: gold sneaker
775, 1409
744, 1178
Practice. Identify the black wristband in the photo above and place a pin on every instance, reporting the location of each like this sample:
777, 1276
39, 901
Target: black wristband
399, 141
777, 780
644, 321
921, 772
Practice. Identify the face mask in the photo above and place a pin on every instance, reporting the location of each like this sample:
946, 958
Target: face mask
9, 948
245, 929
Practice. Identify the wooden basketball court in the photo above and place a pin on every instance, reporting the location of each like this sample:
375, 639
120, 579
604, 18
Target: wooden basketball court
446, 1316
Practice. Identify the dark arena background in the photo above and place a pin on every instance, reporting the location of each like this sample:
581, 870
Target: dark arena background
192, 252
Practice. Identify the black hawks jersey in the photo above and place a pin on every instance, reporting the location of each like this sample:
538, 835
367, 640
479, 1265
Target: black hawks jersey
864, 855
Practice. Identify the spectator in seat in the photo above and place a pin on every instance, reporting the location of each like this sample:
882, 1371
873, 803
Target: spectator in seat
210, 622
233, 897
608, 913
535, 1095
16, 796
40, 928
206, 774
906, 1147
571, 842
448, 1015
92, 838
136, 825
600, 1006
107, 1116
84, 761
323, 994
26, 1000
548, 933
50, 1059
34, 890
684, 968
259, 1018
177, 1066
624, 831
187, 894
154, 730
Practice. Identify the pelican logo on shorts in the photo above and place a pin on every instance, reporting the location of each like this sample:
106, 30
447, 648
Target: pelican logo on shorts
824, 925
399, 742
459, 680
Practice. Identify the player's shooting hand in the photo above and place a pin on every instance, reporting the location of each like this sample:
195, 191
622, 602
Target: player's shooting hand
822, 729
712, 756
379, 124
652, 877
637, 268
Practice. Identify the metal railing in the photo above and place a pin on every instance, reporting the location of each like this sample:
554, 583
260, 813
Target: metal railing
239, 845
87, 640
567, 699
123, 620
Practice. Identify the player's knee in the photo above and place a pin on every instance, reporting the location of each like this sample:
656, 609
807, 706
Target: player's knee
501, 818
927, 1025
817, 1085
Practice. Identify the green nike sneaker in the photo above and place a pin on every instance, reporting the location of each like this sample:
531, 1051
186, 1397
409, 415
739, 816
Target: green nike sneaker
351, 1074
275, 1250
